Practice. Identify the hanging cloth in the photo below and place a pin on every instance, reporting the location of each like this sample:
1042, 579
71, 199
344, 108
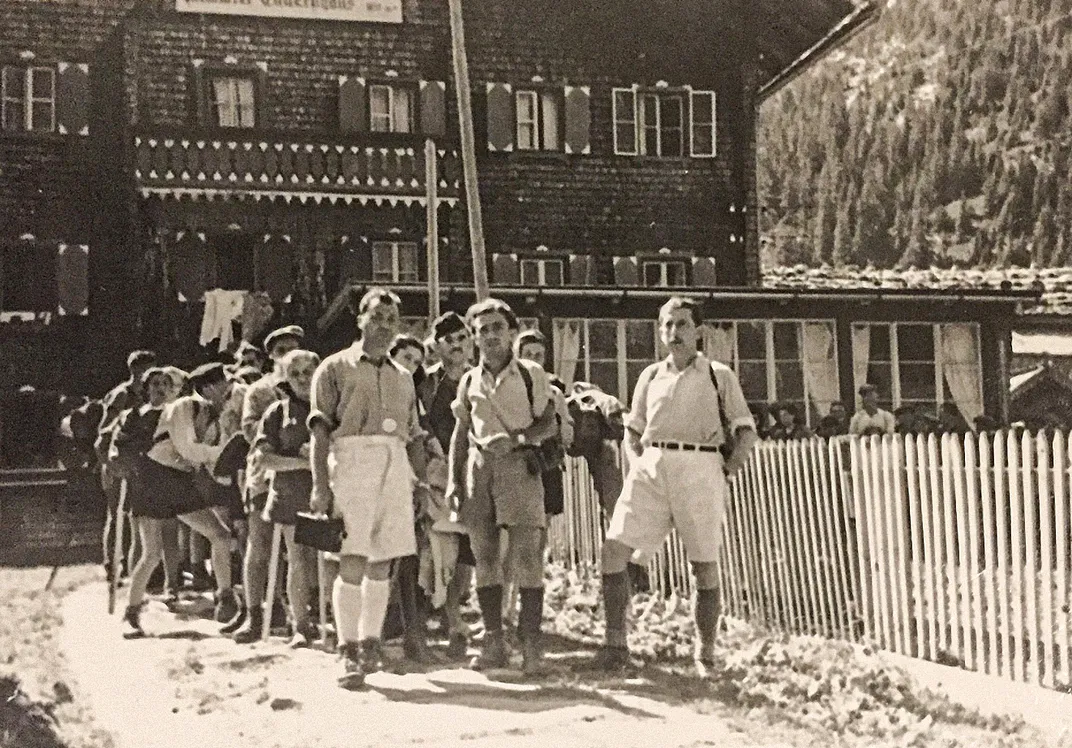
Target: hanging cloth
222, 308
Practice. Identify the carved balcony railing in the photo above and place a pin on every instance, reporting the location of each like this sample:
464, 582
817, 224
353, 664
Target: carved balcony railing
228, 165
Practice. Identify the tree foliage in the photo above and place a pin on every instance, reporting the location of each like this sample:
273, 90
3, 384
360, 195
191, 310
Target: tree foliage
939, 136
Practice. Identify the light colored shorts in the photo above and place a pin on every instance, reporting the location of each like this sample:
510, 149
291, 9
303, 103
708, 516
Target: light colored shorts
372, 481
672, 489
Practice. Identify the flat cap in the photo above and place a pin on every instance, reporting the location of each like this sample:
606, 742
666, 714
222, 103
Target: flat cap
446, 324
290, 331
208, 374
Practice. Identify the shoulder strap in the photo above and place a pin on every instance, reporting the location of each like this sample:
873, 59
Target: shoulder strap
526, 377
721, 405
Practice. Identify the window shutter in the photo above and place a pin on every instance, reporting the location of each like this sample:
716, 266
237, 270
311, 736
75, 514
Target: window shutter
625, 271
500, 117
434, 108
275, 267
191, 265
505, 270
703, 272
578, 119
198, 96
355, 262
72, 98
353, 104
580, 270
72, 279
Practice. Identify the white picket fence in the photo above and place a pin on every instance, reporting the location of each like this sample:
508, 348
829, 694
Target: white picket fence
950, 548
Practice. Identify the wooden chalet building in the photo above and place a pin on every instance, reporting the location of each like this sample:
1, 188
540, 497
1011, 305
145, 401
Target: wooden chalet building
154, 150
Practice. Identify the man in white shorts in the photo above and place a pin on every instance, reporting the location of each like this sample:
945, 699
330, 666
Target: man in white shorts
684, 410
366, 449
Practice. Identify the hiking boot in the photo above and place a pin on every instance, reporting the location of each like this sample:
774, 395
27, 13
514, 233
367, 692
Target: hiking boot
235, 623
132, 618
609, 660
458, 646
493, 653
226, 606
250, 630
371, 655
533, 664
415, 649
201, 581
353, 676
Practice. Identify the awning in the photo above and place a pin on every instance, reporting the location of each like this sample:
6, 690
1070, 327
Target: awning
1041, 344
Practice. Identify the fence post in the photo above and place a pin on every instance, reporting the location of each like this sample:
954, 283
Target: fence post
916, 602
1045, 465
1060, 473
1030, 498
971, 470
1016, 517
805, 535
926, 504
989, 500
960, 578
833, 498
894, 454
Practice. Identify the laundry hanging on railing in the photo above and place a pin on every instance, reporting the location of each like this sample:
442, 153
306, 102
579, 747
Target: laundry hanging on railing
222, 309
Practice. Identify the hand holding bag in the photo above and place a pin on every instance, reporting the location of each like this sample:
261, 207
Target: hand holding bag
319, 531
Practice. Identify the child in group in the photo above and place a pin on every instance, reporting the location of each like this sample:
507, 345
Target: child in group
282, 448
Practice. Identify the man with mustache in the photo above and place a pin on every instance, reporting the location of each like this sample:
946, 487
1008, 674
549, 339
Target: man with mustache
685, 408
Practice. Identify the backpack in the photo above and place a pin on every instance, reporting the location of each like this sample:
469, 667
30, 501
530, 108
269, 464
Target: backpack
597, 417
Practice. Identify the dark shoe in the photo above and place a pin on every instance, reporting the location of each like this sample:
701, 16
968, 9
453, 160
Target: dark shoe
371, 656
533, 664
201, 581
132, 618
609, 660
415, 649
226, 606
235, 623
458, 646
353, 676
250, 631
707, 666
493, 653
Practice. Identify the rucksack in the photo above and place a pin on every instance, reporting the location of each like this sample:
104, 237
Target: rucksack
597, 417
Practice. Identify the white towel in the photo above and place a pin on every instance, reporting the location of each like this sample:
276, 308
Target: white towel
222, 308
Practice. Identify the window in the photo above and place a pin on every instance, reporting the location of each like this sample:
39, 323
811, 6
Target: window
665, 273
607, 352
537, 120
784, 361
233, 101
236, 260
917, 364
27, 277
28, 99
542, 272
394, 262
663, 122
390, 108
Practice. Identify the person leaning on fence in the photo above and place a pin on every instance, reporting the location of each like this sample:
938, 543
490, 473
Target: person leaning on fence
504, 411
281, 447
870, 419
685, 409
366, 447
258, 398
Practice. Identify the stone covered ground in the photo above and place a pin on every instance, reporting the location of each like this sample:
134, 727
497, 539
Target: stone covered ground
71, 680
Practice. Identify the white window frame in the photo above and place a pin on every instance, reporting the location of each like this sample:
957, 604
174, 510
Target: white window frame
640, 100
235, 86
583, 369
664, 273
545, 105
395, 274
896, 399
694, 96
770, 362
540, 265
393, 125
29, 97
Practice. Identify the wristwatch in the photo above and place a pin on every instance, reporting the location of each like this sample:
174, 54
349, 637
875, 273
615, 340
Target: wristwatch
520, 438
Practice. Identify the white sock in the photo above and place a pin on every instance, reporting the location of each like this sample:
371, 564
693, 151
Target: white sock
347, 604
375, 594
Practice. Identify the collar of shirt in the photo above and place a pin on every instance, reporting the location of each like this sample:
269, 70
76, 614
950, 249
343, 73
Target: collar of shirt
512, 368
697, 362
358, 349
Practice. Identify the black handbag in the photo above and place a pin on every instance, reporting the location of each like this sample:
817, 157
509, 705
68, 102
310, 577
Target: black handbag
319, 531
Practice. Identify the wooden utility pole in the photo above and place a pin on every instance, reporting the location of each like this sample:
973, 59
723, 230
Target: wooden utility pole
431, 193
468, 146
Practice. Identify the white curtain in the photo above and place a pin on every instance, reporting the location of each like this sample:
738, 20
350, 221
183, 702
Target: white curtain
861, 353
718, 344
226, 103
567, 342
820, 365
961, 368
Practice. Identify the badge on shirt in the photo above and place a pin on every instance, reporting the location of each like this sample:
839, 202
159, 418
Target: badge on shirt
389, 425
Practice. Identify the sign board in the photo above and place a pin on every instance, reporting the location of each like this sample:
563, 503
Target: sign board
375, 11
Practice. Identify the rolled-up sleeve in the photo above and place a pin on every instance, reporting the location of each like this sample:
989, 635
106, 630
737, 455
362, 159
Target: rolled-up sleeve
460, 405
541, 388
184, 437
737, 412
413, 426
637, 418
324, 398
266, 438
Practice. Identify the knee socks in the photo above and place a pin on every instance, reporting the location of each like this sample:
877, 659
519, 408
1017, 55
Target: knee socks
531, 617
375, 594
615, 603
706, 612
491, 600
346, 602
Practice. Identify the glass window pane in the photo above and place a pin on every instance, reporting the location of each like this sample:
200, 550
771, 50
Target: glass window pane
671, 114
403, 111
703, 138
753, 376
382, 261
676, 273
553, 273
787, 341
14, 82
42, 83
653, 274
640, 340
244, 90
702, 107
549, 126
789, 380
407, 261
604, 374
623, 106
14, 115
380, 108
915, 342
633, 370
626, 137
917, 382
752, 340
603, 340
42, 116
878, 374
880, 343
530, 272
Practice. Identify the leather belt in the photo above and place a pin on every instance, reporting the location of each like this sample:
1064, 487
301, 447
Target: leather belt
685, 446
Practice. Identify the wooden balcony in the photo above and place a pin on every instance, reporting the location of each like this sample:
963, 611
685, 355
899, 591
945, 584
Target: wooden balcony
241, 165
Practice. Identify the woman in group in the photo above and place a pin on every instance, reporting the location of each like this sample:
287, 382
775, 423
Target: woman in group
282, 447
153, 520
